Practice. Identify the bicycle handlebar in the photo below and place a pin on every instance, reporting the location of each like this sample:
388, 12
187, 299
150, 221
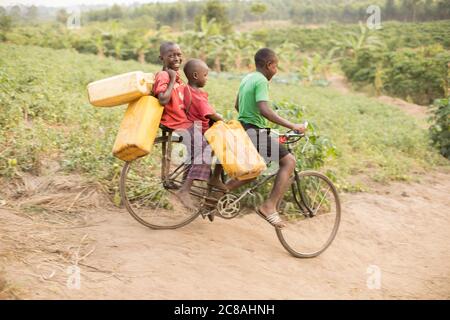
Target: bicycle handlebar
292, 136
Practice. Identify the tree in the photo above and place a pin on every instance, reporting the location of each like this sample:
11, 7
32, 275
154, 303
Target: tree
141, 44
15, 13
415, 6
115, 12
5, 26
117, 41
200, 43
62, 16
411, 7
443, 9
258, 9
354, 42
99, 43
390, 9
217, 11
32, 13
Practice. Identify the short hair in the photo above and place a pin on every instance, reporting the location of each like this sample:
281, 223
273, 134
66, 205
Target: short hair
192, 66
263, 56
165, 46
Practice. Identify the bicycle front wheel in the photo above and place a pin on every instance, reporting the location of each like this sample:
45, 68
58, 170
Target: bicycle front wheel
148, 199
311, 210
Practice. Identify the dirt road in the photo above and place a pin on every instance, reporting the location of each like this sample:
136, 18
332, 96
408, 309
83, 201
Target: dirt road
396, 236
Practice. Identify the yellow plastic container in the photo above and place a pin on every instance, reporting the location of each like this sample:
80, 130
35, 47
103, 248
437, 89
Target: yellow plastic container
235, 151
138, 129
120, 89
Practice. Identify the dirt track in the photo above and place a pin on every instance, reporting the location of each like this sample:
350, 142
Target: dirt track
402, 229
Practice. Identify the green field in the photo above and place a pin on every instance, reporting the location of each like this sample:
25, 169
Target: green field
46, 119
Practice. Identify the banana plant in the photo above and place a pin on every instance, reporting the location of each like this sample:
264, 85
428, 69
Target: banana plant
200, 43
354, 42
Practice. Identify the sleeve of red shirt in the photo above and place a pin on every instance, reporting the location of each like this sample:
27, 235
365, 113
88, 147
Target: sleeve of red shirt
162, 80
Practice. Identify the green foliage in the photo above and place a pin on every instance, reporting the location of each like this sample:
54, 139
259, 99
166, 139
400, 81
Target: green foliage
419, 74
258, 8
440, 128
312, 153
214, 10
45, 117
182, 13
416, 74
45, 114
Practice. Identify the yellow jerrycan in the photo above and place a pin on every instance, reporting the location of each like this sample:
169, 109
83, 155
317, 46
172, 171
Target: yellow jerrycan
138, 129
235, 151
120, 89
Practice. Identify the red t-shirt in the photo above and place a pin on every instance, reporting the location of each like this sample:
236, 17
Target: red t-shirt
174, 115
197, 102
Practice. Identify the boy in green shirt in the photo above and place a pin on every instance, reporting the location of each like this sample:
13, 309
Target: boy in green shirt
252, 103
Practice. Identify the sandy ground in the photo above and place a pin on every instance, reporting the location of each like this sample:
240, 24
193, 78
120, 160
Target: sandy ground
396, 236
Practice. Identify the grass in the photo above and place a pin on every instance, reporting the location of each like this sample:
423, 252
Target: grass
45, 115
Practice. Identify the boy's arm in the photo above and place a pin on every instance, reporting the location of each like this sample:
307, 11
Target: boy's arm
272, 116
236, 104
164, 97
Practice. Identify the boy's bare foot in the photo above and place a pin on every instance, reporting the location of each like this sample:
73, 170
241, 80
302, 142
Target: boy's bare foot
185, 198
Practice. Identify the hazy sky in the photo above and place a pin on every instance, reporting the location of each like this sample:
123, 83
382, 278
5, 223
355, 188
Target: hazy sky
63, 3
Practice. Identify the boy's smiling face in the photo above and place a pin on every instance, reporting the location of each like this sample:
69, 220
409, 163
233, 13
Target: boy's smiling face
172, 57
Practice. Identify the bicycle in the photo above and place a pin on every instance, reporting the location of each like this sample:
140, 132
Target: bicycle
310, 208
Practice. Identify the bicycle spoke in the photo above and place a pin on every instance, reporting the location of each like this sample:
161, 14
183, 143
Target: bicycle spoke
315, 195
320, 203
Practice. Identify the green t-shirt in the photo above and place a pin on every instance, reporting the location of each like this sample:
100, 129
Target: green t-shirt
253, 89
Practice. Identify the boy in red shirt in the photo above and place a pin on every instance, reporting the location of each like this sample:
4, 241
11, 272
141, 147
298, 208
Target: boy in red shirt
196, 100
169, 89
201, 113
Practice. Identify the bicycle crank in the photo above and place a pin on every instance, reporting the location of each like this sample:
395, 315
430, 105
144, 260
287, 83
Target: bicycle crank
228, 206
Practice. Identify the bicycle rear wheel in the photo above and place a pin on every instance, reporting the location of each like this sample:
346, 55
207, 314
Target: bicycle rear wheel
311, 210
150, 200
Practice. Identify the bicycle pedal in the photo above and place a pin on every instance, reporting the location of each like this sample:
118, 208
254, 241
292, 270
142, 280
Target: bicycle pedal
211, 216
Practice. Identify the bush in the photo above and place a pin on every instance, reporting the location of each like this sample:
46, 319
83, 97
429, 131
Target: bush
415, 74
440, 128
419, 74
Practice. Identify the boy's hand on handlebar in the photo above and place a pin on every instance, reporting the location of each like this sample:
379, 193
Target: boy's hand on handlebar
299, 128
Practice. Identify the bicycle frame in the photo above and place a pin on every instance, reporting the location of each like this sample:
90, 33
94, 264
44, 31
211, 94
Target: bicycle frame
170, 179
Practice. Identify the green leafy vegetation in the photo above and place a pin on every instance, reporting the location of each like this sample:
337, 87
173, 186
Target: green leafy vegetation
440, 129
46, 120
408, 60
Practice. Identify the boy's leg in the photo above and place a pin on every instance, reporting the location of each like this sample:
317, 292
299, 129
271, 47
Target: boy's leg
215, 178
282, 182
228, 186
271, 150
183, 194
199, 169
